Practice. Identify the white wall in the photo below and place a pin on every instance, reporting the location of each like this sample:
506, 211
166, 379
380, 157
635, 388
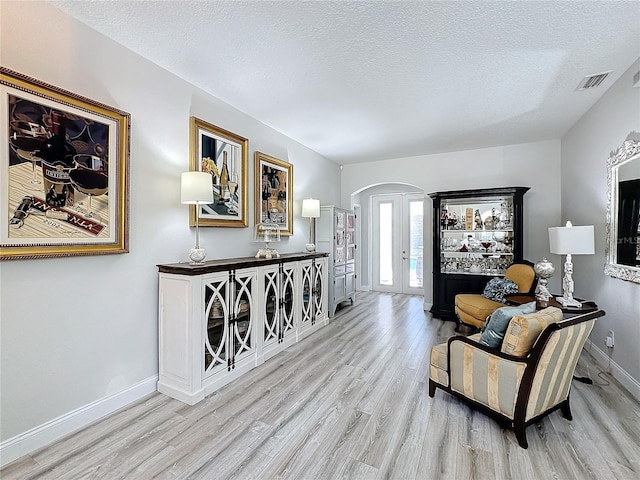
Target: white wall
535, 165
78, 330
585, 150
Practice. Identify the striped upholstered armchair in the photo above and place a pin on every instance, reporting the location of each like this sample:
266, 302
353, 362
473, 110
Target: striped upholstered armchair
524, 380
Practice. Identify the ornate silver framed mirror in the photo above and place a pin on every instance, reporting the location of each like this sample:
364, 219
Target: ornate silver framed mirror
622, 248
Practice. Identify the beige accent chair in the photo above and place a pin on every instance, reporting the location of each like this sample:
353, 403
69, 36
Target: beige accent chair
473, 309
527, 378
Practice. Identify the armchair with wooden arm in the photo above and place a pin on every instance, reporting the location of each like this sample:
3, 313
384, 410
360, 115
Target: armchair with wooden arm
517, 388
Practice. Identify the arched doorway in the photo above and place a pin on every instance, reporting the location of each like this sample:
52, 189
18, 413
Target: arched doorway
392, 244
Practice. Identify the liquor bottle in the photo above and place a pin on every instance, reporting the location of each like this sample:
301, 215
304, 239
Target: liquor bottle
478, 220
444, 219
282, 200
273, 200
224, 180
265, 199
57, 160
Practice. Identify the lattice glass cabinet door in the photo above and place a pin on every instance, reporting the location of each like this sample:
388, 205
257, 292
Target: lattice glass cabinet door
216, 293
287, 315
307, 297
241, 337
318, 291
272, 305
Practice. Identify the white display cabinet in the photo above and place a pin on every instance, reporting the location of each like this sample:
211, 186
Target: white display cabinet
336, 234
477, 234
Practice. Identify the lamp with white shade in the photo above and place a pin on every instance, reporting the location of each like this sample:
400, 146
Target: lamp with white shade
311, 210
570, 240
196, 189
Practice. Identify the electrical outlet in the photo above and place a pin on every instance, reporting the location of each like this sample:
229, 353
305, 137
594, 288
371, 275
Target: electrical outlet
609, 339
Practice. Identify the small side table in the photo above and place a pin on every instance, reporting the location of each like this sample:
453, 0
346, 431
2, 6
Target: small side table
519, 299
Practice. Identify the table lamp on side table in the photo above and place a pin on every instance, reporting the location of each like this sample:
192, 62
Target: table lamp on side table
311, 210
196, 190
570, 240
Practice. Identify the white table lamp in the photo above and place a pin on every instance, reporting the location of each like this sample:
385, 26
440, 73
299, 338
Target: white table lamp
196, 189
570, 240
311, 210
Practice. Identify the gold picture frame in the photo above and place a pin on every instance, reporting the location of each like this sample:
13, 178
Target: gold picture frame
224, 155
273, 191
61, 204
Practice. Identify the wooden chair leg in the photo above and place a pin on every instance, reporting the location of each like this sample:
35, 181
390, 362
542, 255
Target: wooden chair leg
432, 388
521, 435
565, 408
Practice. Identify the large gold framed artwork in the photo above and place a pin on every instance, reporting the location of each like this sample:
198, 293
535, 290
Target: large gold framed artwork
224, 155
273, 191
65, 172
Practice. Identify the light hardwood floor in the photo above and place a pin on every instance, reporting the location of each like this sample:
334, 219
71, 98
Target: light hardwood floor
350, 402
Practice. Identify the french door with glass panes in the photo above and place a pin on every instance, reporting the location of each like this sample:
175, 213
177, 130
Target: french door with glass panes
397, 243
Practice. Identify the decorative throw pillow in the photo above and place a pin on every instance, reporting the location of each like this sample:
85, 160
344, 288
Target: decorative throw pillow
524, 330
493, 331
498, 288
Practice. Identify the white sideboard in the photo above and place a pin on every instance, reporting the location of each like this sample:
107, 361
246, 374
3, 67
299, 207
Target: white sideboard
220, 319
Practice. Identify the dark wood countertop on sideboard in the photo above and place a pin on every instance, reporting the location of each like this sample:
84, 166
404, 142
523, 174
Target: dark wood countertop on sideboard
212, 266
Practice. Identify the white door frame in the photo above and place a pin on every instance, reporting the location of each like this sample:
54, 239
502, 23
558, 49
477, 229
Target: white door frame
407, 198
396, 241
400, 242
357, 209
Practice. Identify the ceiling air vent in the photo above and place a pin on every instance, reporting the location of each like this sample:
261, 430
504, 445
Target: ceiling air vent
593, 81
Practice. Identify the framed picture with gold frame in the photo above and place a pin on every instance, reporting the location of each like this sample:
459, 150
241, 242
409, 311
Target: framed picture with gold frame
273, 191
224, 155
65, 172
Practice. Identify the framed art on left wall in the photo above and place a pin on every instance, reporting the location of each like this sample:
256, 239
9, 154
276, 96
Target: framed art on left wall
224, 155
64, 166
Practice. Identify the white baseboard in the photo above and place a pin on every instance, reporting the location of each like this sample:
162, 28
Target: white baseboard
53, 430
626, 380
364, 288
426, 306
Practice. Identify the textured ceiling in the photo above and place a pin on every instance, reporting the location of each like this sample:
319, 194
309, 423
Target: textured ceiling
369, 80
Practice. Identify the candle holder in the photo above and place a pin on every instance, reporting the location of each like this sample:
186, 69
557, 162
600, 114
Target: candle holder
267, 232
